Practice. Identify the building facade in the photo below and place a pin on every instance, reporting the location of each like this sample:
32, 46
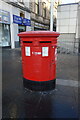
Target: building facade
55, 5
21, 15
67, 25
14, 18
79, 25
40, 14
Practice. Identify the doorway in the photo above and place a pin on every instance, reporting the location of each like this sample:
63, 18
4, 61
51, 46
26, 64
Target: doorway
21, 28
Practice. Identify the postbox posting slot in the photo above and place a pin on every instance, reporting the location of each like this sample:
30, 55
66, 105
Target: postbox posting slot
27, 41
45, 41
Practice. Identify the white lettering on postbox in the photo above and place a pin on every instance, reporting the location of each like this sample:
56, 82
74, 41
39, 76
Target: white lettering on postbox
36, 53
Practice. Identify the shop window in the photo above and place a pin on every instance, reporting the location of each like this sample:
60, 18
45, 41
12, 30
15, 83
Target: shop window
44, 9
37, 7
5, 36
0, 35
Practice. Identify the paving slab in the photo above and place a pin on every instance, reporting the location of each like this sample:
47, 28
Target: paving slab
67, 66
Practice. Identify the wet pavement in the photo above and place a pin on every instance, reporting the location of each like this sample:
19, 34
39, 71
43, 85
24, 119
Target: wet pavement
19, 102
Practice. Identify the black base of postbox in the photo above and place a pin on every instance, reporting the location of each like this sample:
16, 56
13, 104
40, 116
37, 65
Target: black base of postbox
39, 86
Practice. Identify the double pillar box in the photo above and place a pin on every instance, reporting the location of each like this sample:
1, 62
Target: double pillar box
39, 53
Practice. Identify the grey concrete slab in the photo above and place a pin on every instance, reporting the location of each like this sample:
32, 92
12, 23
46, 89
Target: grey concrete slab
63, 91
67, 82
67, 67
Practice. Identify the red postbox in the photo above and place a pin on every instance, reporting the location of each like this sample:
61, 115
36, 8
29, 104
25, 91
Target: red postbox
39, 50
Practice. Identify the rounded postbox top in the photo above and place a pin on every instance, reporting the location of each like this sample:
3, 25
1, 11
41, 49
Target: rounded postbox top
39, 34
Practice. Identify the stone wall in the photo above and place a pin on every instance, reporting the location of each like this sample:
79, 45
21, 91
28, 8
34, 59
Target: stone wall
67, 25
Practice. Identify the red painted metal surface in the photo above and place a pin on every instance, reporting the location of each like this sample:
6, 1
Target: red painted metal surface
35, 65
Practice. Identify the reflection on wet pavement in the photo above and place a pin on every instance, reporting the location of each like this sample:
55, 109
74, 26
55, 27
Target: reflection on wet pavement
19, 102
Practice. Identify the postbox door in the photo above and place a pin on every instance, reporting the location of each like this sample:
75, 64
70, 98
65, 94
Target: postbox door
52, 62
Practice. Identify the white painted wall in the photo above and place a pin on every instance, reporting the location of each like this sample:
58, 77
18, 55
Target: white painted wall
9, 8
67, 25
14, 27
